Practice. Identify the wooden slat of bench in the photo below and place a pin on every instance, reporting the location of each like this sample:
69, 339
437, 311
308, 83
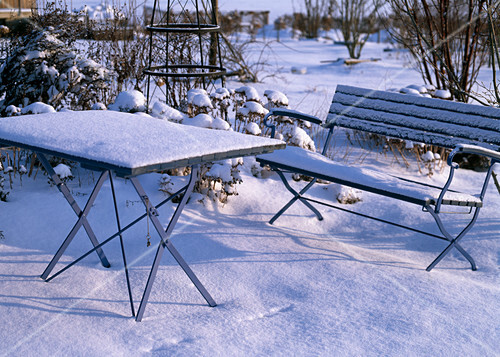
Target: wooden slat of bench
421, 101
414, 110
314, 164
408, 134
340, 114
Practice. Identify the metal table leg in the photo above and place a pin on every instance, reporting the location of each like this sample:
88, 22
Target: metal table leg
82, 215
165, 242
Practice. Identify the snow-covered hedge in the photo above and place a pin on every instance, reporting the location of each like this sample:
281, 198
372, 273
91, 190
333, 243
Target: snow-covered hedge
42, 68
3, 190
218, 180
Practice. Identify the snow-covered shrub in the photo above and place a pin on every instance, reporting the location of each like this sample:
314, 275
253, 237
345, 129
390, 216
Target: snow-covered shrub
163, 111
37, 108
3, 191
298, 137
98, 106
221, 100
275, 99
42, 68
166, 184
62, 170
253, 129
218, 180
12, 110
250, 112
201, 109
344, 194
198, 102
131, 101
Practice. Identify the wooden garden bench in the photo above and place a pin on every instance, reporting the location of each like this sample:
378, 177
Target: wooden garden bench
465, 128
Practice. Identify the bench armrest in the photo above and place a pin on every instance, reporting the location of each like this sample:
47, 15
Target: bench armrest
468, 149
473, 149
291, 114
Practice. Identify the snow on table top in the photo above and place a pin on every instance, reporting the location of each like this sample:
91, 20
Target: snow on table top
127, 143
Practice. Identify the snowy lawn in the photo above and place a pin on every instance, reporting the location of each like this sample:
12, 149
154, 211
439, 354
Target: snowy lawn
343, 286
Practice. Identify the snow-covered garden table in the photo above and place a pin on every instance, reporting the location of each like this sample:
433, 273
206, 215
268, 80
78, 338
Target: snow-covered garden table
129, 145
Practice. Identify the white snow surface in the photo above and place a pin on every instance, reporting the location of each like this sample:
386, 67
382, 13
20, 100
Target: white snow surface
122, 139
344, 286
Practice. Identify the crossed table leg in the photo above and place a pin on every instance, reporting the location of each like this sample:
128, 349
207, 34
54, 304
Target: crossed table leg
151, 213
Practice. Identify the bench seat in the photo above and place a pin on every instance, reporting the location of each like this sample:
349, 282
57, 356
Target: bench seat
314, 164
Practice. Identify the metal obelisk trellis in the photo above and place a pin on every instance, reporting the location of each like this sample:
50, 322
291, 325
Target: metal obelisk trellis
184, 49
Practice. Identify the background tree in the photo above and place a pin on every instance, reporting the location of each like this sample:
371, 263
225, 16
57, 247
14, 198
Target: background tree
309, 21
357, 20
448, 39
491, 94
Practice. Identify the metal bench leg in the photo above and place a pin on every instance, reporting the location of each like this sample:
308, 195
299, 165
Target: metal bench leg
166, 243
82, 216
453, 241
297, 196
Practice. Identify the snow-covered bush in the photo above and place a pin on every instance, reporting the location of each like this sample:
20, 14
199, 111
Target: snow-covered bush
166, 184
3, 191
250, 112
37, 108
344, 194
198, 102
131, 101
64, 172
163, 111
201, 109
42, 68
221, 100
61, 169
218, 179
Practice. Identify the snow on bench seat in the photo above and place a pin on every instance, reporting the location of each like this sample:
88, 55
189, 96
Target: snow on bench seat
361, 178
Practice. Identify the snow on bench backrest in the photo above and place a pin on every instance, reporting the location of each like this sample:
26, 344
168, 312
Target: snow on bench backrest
433, 121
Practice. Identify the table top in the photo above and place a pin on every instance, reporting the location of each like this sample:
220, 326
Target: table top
129, 144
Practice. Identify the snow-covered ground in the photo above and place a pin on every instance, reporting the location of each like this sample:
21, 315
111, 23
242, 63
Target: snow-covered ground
344, 286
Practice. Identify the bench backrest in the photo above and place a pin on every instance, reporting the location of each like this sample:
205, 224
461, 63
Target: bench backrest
427, 120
